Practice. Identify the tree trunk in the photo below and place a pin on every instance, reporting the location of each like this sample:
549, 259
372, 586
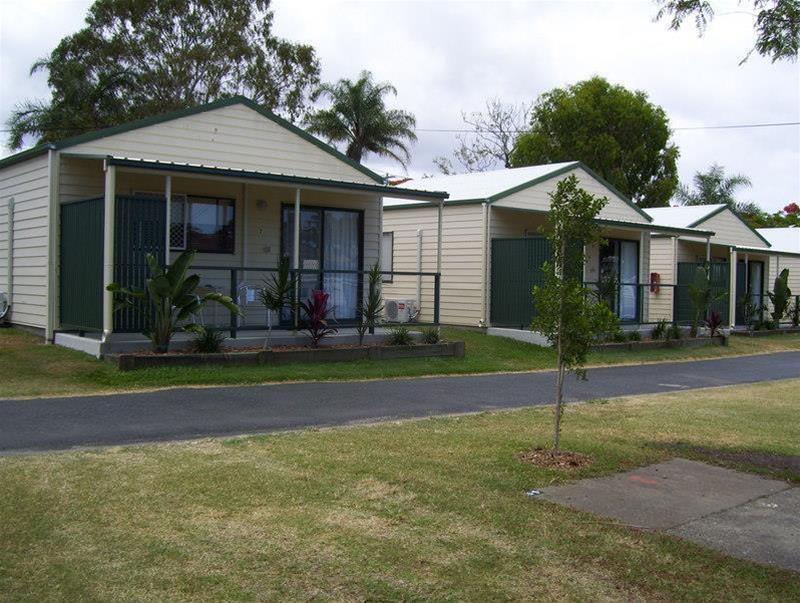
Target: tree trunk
560, 267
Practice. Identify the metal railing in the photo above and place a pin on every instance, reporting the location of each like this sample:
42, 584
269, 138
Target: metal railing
244, 284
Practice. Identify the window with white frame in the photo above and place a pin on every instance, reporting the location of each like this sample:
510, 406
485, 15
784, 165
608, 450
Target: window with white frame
387, 255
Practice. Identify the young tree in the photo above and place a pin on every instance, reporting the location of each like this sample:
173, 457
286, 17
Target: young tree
492, 140
567, 313
134, 59
617, 132
359, 118
777, 24
780, 297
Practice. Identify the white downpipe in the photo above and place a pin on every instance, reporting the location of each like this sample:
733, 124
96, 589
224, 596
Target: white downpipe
296, 252
708, 249
245, 225
484, 322
10, 256
108, 248
732, 289
420, 232
168, 214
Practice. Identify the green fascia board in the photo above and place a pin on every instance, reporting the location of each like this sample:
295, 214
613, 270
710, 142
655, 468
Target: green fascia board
658, 228
521, 187
280, 178
172, 115
719, 210
563, 170
39, 149
615, 190
418, 205
794, 254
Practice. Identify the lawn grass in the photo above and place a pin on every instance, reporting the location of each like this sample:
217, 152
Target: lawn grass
30, 368
428, 509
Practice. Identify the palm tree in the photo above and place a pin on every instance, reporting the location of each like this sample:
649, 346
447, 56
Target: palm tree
358, 117
714, 187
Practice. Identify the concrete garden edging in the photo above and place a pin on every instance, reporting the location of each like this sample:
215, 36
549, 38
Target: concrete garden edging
765, 332
632, 346
130, 362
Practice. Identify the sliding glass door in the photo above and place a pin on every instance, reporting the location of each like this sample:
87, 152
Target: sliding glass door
330, 240
619, 263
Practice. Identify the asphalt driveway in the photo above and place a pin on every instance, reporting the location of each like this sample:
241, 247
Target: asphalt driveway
183, 413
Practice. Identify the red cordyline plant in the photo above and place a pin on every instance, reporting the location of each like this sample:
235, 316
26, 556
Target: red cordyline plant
792, 208
316, 322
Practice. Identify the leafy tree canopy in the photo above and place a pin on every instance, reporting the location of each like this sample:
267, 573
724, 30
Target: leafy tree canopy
615, 131
359, 118
143, 57
777, 24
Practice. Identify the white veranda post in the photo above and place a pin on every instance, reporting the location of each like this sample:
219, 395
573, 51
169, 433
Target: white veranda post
732, 289
108, 248
168, 216
439, 258
296, 254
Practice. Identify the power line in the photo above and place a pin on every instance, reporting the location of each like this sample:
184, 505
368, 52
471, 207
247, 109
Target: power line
682, 128
720, 127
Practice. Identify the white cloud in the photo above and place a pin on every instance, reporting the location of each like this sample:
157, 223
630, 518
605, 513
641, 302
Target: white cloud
445, 57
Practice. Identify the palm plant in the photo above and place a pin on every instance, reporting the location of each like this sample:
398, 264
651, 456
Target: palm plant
359, 118
168, 299
702, 295
780, 297
370, 310
714, 187
278, 293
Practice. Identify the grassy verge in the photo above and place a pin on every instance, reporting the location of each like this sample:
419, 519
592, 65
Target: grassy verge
429, 509
30, 368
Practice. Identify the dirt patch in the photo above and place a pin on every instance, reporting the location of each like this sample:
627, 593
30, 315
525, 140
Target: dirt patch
727, 456
555, 459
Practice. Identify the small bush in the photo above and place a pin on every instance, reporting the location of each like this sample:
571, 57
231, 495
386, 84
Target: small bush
618, 336
430, 335
674, 332
660, 330
207, 340
399, 336
634, 336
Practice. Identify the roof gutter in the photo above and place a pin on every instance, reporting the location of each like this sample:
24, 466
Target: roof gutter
389, 191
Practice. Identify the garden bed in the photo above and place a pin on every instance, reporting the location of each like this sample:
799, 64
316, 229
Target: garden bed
765, 332
130, 362
689, 342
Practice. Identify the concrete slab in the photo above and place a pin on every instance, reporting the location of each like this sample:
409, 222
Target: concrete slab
766, 530
664, 495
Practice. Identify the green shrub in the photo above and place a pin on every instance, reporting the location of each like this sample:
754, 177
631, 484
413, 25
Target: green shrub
618, 336
674, 332
207, 340
399, 336
634, 336
660, 330
430, 335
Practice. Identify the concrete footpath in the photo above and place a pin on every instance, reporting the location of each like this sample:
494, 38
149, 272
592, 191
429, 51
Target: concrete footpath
740, 514
183, 413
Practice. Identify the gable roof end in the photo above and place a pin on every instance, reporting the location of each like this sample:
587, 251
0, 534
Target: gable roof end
172, 115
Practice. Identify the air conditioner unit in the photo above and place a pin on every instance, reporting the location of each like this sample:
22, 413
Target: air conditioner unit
400, 310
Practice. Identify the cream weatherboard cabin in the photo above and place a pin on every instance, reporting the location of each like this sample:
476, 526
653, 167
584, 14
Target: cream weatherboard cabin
744, 261
492, 246
230, 180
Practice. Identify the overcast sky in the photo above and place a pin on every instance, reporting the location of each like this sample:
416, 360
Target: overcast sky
445, 57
